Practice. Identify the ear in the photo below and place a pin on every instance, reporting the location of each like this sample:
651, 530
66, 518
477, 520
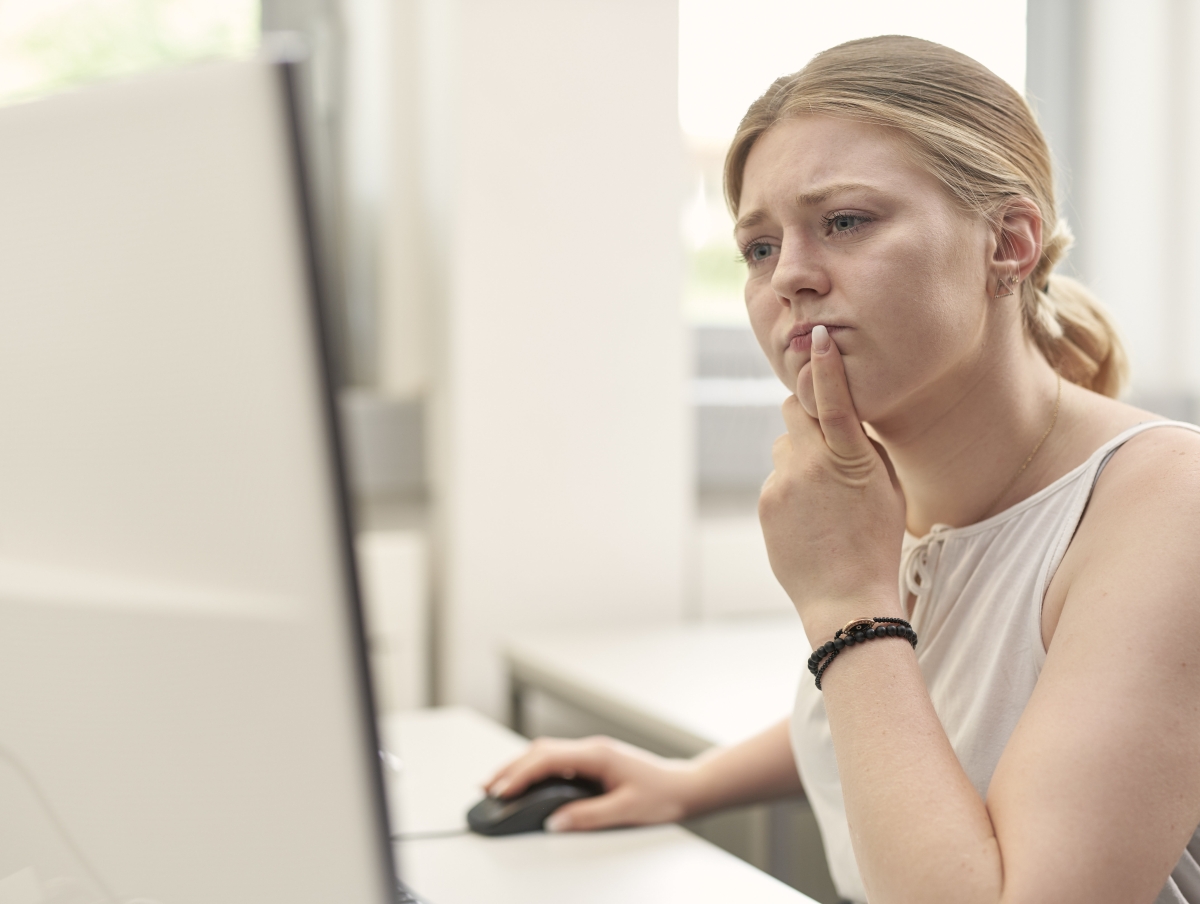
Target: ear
1018, 245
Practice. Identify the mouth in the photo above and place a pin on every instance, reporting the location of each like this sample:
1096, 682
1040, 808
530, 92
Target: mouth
800, 336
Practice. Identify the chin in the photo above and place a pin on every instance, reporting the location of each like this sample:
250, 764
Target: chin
868, 405
875, 408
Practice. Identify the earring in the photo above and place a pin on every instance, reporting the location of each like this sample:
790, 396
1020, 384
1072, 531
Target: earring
1004, 287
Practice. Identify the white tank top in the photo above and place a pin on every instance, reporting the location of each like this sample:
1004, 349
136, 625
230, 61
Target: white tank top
979, 591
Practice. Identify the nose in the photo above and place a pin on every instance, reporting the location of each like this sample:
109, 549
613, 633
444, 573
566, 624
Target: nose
799, 271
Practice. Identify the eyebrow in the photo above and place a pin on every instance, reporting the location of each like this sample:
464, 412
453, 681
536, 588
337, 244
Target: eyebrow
804, 199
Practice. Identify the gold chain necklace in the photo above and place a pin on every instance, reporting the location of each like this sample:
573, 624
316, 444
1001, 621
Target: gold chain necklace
1037, 446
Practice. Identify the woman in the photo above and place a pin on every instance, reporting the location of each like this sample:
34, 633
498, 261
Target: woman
953, 422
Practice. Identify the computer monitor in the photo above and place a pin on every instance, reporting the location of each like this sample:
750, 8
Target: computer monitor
185, 713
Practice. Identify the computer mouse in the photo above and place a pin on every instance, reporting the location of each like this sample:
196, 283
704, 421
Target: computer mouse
528, 810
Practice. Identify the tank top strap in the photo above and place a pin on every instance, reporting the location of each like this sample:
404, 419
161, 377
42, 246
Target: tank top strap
1070, 524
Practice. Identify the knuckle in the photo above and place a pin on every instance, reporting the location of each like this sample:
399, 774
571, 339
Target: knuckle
836, 417
766, 510
604, 743
773, 489
775, 501
768, 499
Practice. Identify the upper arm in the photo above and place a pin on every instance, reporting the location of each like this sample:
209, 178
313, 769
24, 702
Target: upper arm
1098, 790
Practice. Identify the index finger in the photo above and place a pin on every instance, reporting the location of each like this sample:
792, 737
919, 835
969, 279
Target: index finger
545, 757
835, 408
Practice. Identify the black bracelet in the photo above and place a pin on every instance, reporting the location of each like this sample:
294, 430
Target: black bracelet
858, 631
850, 634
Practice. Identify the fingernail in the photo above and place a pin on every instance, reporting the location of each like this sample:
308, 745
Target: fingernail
820, 338
557, 822
498, 788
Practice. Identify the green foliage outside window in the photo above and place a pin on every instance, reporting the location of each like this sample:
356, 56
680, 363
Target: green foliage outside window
48, 45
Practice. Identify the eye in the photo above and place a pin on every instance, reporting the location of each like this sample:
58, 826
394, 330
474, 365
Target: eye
757, 251
844, 222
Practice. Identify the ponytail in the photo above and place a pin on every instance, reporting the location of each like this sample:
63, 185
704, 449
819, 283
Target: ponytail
1069, 325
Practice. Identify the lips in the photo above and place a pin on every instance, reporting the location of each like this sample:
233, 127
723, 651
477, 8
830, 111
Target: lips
800, 336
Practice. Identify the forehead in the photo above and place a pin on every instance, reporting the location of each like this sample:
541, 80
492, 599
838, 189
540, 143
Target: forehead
805, 154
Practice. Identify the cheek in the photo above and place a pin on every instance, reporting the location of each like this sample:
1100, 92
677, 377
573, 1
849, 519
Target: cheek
878, 382
764, 312
927, 334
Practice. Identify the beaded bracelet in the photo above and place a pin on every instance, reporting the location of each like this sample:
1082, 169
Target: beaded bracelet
858, 631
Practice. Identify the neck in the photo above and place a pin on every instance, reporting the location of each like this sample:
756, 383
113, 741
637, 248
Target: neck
957, 448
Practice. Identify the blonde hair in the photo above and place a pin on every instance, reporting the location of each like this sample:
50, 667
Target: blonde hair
974, 133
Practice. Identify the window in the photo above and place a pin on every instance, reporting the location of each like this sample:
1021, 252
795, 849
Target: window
47, 45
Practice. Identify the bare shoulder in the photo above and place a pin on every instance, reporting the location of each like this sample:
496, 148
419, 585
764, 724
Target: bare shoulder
1142, 523
1141, 526
1160, 466
1154, 472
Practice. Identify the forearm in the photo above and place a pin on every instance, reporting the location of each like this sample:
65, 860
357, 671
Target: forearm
921, 833
759, 768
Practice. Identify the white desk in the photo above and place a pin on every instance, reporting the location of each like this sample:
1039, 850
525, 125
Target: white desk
445, 753
687, 687
679, 690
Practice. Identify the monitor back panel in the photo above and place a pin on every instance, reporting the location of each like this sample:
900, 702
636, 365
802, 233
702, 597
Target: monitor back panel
182, 714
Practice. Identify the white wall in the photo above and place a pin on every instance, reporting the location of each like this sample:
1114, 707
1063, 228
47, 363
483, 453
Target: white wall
1185, 39
404, 275
543, 247
734, 575
1135, 183
1125, 184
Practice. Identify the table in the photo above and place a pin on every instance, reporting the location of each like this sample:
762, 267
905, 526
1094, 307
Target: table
687, 687
444, 754
678, 690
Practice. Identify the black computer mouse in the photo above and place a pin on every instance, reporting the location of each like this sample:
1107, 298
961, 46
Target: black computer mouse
528, 810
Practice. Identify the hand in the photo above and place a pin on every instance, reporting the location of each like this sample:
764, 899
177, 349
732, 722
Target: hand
832, 511
641, 788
